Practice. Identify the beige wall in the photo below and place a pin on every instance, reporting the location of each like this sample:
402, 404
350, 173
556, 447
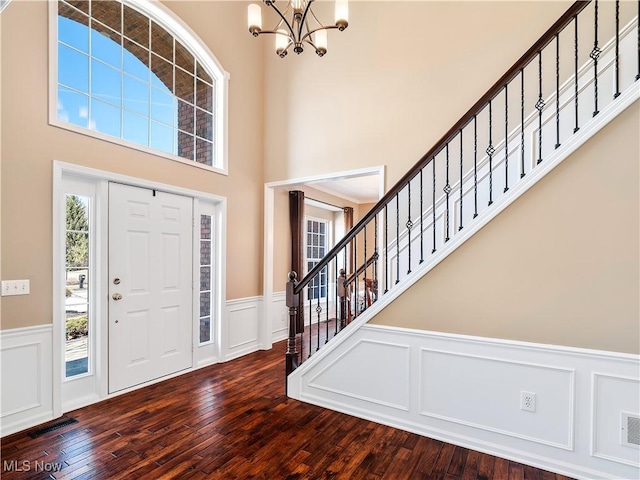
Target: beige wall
559, 266
30, 145
392, 83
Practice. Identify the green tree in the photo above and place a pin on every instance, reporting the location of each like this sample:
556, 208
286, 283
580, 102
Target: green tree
77, 254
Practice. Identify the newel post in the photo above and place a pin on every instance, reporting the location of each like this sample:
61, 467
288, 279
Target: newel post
292, 304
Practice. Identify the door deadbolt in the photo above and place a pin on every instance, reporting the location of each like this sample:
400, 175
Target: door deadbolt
116, 281
116, 296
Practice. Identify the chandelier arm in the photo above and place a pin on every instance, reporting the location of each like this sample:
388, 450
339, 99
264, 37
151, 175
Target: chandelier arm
308, 34
303, 20
284, 19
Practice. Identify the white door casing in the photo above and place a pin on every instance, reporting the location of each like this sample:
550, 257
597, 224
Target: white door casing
150, 252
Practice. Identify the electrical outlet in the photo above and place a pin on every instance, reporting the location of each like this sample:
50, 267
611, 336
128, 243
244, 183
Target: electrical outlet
15, 287
527, 401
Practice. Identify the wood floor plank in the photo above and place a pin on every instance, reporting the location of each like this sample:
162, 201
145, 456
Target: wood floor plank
232, 421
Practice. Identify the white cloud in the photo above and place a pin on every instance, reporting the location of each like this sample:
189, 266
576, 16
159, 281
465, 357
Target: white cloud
83, 112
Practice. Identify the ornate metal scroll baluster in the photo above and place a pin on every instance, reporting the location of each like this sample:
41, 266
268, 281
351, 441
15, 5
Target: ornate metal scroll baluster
540, 106
522, 174
461, 173
433, 205
318, 310
310, 318
355, 274
421, 218
617, 70
475, 166
326, 300
337, 297
557, 90
575, 83
343, 293
397, 237
490, 152
365, 252
447, 191
375, 249
409, 224
506, 138
595, 53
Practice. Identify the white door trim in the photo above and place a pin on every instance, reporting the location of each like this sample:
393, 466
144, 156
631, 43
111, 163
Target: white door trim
101, 178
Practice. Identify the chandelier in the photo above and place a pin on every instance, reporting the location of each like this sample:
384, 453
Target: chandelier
298, 25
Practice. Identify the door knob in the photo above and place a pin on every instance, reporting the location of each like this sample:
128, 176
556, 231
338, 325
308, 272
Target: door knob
116, 296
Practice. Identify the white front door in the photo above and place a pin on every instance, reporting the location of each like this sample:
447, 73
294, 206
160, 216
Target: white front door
150, 285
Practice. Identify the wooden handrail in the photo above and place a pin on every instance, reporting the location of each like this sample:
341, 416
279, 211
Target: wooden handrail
497, 87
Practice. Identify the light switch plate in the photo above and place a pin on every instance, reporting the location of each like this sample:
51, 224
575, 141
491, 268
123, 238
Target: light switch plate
15, 287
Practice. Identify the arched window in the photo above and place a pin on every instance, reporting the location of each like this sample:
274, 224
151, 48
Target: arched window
128, 71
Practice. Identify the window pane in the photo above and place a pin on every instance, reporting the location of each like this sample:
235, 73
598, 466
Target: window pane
205, 226
136, 60
161, 73
185, 86
205, 253
200, 72
204, 96
109, 13
204, 124
105, 118
205, 329
136, 95
73, 27
186, 148
136, 26
136, 128
105, 83
80, 4
161, 137
161, 42
73, 107
204, 152
73, 69
184, 58
77, 214
205, 278
205, 304
186, 116
105, 44
162, 106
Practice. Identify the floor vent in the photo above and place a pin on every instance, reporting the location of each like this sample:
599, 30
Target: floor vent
63, 422
630, 430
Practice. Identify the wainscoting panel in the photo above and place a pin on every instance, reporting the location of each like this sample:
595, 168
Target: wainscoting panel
614, 396
279, 318
243, 326
486, 394
26, 382
467, 391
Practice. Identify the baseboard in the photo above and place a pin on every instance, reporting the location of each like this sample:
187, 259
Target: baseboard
26, 392
467, 390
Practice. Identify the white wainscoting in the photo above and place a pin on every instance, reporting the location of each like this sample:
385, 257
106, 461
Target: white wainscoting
244, 316
26, 382
467, 391
279, 317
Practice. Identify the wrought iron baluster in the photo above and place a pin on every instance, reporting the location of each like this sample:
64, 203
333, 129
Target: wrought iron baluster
336, 298
421, 218
326, 297
506, 137
318, 309
522, 174
310, 319
355, 274
386, 249
638, 74
375, 249
575, 83
540, 106
461, 173
365, 252
433, 205
595, 53
617, 70
557, 90
409, 224
490, 152
447, 191
397, 237
475, 166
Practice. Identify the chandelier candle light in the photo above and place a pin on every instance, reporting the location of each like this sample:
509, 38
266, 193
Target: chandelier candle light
302, 27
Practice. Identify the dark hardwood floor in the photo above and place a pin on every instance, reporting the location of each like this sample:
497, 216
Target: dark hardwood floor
233, 421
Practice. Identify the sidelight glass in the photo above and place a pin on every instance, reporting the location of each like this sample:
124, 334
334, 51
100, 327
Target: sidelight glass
206, 281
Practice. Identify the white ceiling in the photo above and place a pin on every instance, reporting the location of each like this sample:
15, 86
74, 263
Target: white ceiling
362, 189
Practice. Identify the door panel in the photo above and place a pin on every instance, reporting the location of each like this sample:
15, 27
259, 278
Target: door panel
150, 252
